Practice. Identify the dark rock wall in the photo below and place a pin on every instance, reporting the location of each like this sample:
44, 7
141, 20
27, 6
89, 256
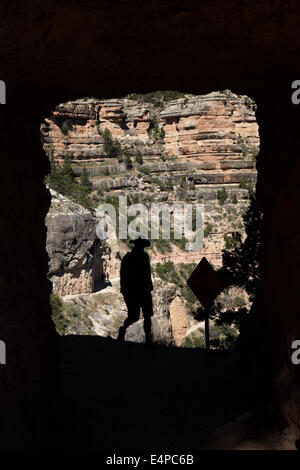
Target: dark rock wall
52, 53
279, 196
30, 377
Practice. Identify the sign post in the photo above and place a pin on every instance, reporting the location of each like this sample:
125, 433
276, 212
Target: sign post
206, 330
206, 284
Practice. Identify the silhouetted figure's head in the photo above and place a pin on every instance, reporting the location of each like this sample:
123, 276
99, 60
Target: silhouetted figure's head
140, 243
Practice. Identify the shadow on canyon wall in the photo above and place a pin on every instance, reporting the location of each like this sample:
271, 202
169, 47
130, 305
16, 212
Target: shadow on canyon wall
125, 396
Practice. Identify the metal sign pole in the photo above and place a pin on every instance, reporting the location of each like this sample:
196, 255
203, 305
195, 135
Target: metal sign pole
207, 329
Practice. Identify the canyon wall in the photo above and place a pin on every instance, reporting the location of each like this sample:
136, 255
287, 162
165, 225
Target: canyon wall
72, 246
209, 128
192, 147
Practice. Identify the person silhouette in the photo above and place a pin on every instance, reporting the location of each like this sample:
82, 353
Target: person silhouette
136, 287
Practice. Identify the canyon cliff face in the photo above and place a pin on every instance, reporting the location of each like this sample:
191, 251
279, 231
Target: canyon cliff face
77, 257
191, 147
73, 247
208, 128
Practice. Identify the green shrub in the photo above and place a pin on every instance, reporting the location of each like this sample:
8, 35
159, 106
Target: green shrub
146, 170
62, 177
112, 147
58, 318
157, 98
68, 317
139, 157
157, 181
187, 342
241, 142
83, 190
195, 340
208, 229
234, 199
254, 152
178, 275
162, 245
65, 127
249, 103
222, 195
128, 162
231, 241
167, 272
239, 301
222, 336
180, 242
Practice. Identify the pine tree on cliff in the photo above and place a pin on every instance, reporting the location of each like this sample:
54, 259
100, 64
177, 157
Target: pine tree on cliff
62, 177
241, 265
84, 189
241, 260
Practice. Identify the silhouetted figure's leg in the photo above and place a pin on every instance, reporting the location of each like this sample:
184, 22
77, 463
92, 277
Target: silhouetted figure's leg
147, 329
133, 316
146, 304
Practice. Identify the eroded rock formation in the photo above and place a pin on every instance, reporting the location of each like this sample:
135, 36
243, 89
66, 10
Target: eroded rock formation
207, 128
75, 264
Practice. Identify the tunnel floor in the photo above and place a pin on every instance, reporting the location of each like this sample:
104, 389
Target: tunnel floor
124, 396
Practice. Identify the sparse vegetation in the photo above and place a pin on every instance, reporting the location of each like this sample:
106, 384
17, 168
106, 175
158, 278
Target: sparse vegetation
222, 195
145, 170
241, 259
139, 157
241, 142
154, 129
208, 229
62, 180
69, 318
65, 128
157, 98
128, 162
178, 275
112, 147
162, 245
84, 189
249, 103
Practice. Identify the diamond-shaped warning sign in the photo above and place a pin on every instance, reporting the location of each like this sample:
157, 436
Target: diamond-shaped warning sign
205, 283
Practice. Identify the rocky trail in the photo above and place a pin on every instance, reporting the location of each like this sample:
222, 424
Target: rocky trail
124, 396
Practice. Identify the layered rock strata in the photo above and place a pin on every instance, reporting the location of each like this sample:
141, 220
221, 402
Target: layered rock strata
213, 127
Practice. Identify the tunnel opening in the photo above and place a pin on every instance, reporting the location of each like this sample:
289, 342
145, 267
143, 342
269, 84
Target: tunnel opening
175, 148
226, 175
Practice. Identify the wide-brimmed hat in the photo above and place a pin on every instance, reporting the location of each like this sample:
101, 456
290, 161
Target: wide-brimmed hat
140, 242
